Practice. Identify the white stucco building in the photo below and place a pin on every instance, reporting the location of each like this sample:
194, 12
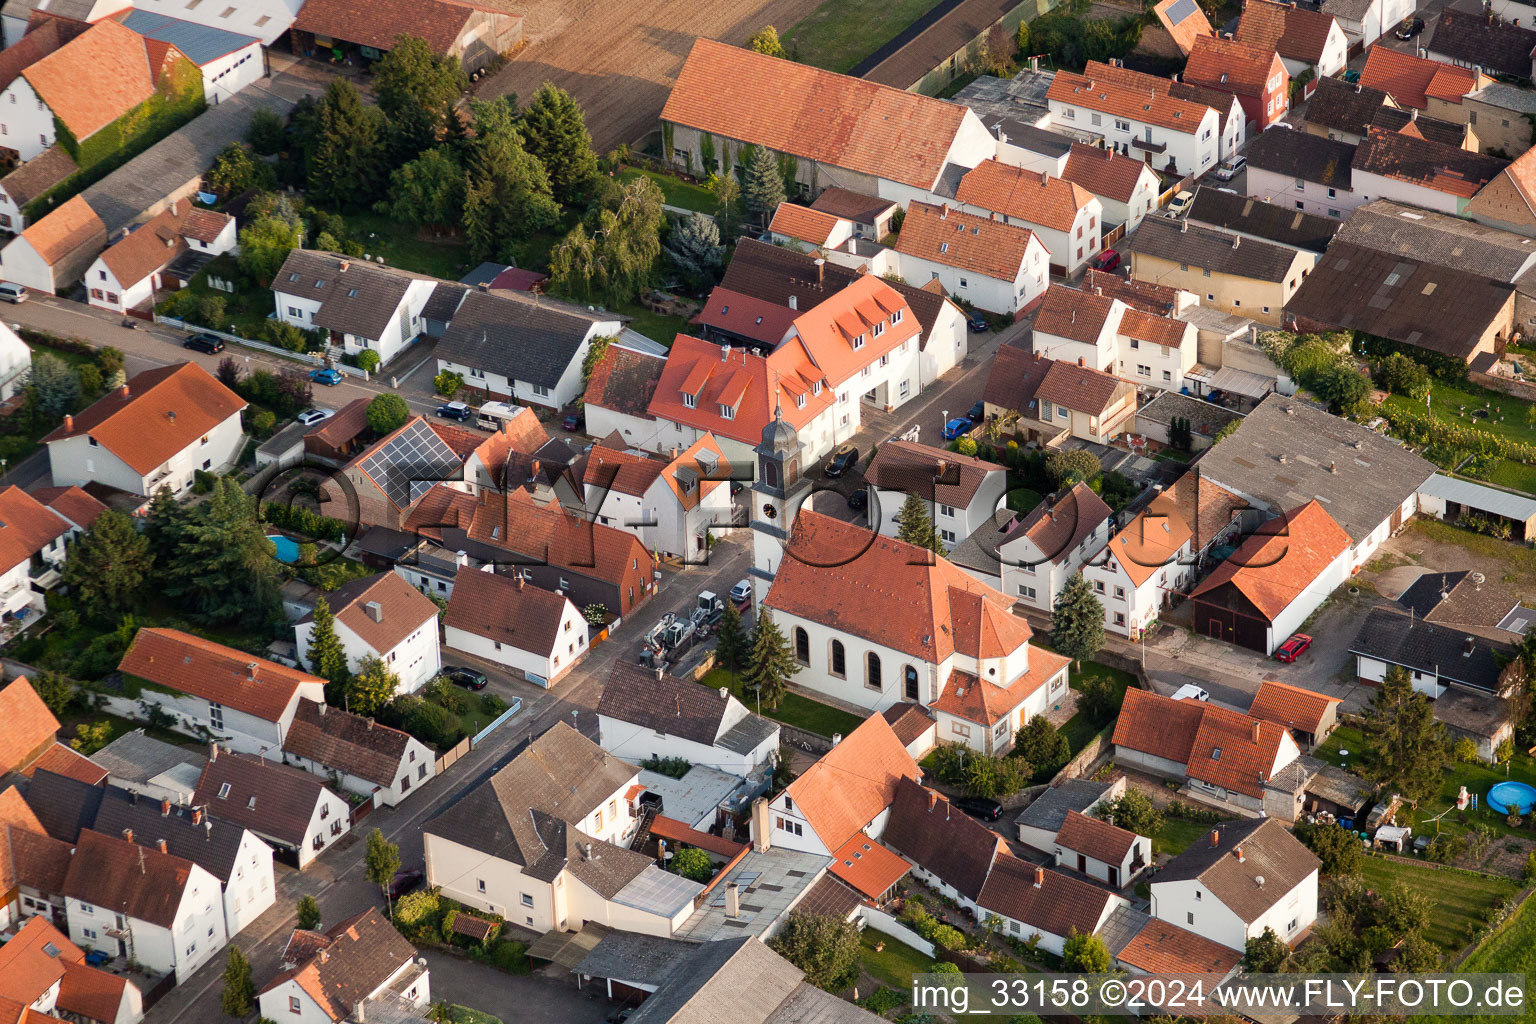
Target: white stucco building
644, 715
331, 976
999, 267
127, 275
292, 810
363, 757
382, 617
359, 305
960, 492
1109, 335
1175, 135
505, 620
670, 505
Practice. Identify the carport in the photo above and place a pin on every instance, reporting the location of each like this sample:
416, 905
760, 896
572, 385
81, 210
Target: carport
1450, 498
567, 949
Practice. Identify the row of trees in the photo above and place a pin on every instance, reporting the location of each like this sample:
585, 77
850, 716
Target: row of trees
764, 657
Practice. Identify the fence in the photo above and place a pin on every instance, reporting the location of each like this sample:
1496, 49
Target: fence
157, 991
447, 759
361, 811
1090, 753
884, 923
495, 723
277, 350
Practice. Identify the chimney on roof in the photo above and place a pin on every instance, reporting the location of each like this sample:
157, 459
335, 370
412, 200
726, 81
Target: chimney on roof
1080, 361
1333, 467
1039, 356
1239, 852
933, 800
761, 837
1098, 290
374, 611
1413, 113
197, 812
837, 738
944, 211
160, 845
123, 391
69, 423
344, 265
325, 955
1466, 647
519, 581
725, 693
1039, 877
794, 302
370, 723
127, 835
165, 808
1237, 240
484, 286
1183, 227
732, 900
661, 672
213, 751
1045, 179
821, 271
1215, 838
1255, 732
322, 709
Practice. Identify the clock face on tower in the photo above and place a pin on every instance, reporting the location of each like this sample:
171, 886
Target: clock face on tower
770, 512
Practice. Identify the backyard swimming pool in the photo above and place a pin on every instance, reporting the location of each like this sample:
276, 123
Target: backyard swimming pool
287, 548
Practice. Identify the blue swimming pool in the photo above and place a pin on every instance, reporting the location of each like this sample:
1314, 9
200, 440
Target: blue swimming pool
1512, 798
287, 548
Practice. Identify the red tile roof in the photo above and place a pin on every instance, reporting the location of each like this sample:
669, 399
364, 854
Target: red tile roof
1163, 948
1293, 32
126, 878
1126, 101
95, 78
936, 835
64, 231
1058, 905
745, 315
64, 760
673, 830
1229, 65
28, 972
1158, 725
1094, 838
861, 314
1104, 172
155, 415
202, 668
931, 473
1184, 32
696, 367
867, 866
1291, 706
813, 114
1152, 539
1081, 388
41, 40
72, 503
964, 240
851, 784
624, 381
1281, 559
610, 469
153, 245
1407, 155
1032, 196
29, 725
512, 522
1158, 330
1069, 313
1411, 80
26, 526
1234, 751
402, 610
801, 222
506, 610
1057, 529
984, 702
888, 592
378, 23
91, 993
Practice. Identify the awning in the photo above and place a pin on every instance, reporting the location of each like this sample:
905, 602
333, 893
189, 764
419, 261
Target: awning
1239, 382
568, 948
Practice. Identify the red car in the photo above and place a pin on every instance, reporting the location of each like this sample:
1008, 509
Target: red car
1109, 259
1292, 648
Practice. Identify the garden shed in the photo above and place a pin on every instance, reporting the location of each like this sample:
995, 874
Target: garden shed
1452, 498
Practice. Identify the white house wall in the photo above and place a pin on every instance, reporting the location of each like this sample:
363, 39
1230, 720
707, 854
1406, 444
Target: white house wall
250, 889
26, 123
1309, 197
1290, 915
21, 264
992, 294
227, 75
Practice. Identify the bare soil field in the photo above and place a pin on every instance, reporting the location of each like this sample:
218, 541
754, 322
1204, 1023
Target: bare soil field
618, 58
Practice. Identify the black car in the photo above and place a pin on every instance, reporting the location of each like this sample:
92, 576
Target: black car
978, 323
1410, 28
980, 807
204, 343
858, 500
978, 412
405, 881
455, 411
842, 460
465, 677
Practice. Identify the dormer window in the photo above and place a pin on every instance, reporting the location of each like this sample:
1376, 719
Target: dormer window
800, 401
896, 318
690, 401
858, 342
815, 387
878, 329
727, 412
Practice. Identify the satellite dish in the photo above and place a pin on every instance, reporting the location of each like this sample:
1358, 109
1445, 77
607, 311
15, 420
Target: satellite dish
1260, 880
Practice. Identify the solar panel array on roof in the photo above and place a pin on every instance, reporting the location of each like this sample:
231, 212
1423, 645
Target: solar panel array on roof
409, 464
1181, 10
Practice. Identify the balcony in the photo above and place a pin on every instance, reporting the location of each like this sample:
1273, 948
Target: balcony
1149, 147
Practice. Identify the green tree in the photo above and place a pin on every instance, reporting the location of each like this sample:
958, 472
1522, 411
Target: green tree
371, 688
54, 689
770, 661
1077, 621
556, 130
1071, 467
368, 360
596, 350
1338, 848
1043, 746
1403, 911
1021, 38
1415, 955
414, 83
1342, 387
234, 171
731, 640
164, 525
108, 565
1135, 812
266, 133
617, 260
349, 168
762, 185
223, 569
447, 383
52, 387
387, 413
766, 40
1085, 954
1179, 435
89, 376
1099, 698
380, 861
692, 862
1403, 375
826, 948
1411, 748
428, 190
509, 193
1225, 432
727, 192
1265, 954
695, 250
309, 913
325, 654
239, 992
265, 243
915, 526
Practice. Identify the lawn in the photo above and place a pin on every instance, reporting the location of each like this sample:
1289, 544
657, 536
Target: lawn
1478, 778
1519, 558
1514, 474
74, 716
1511, 951
1455, 405
1078, 729
841, 33
675, 191
895, 964
1178, 835
793, 709
1460, 898
402, 246
1023, 499
659, 327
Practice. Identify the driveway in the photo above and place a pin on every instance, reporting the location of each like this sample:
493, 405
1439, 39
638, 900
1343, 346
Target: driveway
534, 999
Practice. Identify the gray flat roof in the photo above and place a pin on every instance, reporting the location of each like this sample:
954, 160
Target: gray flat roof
658, 892
694, 797
1049, 809
135, 757
1481, 497
769, 883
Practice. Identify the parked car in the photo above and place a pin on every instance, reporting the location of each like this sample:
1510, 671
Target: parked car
1181, 204
13, 293
406, 881
741, 593
843, 459
202, 342
1410, 28
574, 421
977, 412
309, 417
1189, 691
330, 378
978, 323
1352, 76
1109, 259
465, 677
455, 411
957, 427
980, 807
1229, 169
858, 500
1293, 648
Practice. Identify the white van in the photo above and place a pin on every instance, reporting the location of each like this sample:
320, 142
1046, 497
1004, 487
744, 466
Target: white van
492, 415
